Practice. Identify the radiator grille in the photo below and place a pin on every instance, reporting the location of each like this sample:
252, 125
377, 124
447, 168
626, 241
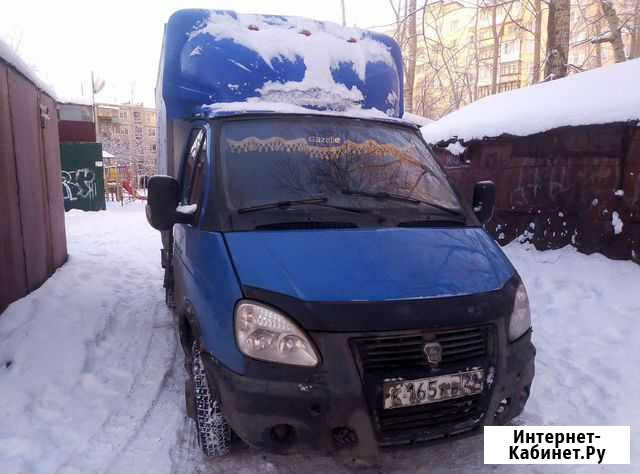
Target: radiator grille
386, 356
427, 418
406, 351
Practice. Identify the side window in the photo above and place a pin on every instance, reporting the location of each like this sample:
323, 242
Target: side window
198, 173
193, 167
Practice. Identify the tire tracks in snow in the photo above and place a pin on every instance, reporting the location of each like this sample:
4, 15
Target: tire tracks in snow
157, 362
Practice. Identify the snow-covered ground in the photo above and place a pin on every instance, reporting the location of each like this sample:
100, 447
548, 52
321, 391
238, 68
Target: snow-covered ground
91, 377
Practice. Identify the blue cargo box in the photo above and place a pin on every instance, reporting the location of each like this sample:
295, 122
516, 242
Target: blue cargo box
220, 62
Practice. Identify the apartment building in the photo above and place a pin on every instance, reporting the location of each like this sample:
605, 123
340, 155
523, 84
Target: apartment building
468, 50
130, 133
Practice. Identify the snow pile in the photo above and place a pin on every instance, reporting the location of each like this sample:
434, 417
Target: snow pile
586, 327
187, 208
604, 95
323, 47
455, 148
255, 104
87, 358
8, 55
416, 119
616, 223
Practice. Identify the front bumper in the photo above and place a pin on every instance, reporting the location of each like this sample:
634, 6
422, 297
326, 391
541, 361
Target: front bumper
330, 408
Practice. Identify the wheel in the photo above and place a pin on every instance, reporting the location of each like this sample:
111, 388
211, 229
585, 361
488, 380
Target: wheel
214, 434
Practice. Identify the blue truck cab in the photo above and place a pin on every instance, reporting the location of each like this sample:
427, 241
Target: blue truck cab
332, 290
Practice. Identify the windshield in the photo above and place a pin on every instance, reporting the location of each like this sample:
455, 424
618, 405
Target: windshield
306, 164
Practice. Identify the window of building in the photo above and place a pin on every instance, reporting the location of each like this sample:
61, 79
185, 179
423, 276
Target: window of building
137, 116
154, 148
138, 132
486, 33
484, 73
123, 115
486, 52
124, 131
509, 69
508, 86
152, 132
509, 47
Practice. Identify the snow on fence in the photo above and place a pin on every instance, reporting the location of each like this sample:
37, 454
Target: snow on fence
32, 234
565, 157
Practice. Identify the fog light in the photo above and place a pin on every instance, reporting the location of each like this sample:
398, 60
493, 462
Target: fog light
344, 437
282, 433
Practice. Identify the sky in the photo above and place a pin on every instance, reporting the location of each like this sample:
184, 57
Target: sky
120, 40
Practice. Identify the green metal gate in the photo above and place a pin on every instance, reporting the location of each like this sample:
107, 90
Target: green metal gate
82, 176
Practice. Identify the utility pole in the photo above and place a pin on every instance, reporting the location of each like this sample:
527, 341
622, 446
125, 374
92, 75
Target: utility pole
344, 16
93, 103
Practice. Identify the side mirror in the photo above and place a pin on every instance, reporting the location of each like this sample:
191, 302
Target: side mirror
484, 200
162, 201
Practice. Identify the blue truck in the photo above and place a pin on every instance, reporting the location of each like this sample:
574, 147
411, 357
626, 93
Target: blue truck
332, 290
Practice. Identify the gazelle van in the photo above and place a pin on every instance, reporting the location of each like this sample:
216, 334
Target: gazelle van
332, 290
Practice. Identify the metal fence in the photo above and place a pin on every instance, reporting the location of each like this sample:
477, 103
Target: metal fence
82, 176
32, 234
572, 185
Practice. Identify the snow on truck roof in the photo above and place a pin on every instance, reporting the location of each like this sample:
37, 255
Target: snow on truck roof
604, 95
221, 62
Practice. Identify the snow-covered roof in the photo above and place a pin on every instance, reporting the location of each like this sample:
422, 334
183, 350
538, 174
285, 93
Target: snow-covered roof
75, 100
604, 95
416, 119
11, 57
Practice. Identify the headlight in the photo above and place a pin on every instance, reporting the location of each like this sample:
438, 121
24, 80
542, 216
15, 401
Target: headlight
521, 316
265, 334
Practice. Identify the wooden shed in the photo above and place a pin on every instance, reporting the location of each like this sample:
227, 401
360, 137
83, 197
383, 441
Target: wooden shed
565, 157
32, 236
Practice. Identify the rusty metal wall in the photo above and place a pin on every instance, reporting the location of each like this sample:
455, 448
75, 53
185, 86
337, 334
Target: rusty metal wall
51, 148
33, 243
13, 277
76, 131
560, 187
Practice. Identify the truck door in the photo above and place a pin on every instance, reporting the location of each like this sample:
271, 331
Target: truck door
186, 236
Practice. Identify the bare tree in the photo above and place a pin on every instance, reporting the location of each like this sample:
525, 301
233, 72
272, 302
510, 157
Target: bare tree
411, 66
614, 35
446, 74
537, 41
634, 49
558, 30
498, 24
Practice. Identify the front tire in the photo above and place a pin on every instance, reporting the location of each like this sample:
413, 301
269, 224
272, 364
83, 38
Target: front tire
214, 434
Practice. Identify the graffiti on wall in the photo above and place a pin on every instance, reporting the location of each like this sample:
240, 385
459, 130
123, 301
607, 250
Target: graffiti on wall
79, 184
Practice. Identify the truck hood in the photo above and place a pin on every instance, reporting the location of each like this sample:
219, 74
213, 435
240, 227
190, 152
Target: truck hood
369, 265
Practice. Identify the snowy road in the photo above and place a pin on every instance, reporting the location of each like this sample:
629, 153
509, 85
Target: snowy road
91, 376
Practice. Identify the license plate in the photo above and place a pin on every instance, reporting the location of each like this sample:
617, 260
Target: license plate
409, 393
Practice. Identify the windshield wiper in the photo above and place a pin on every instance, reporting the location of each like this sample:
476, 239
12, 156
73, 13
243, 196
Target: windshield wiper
400, 197
316, 201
